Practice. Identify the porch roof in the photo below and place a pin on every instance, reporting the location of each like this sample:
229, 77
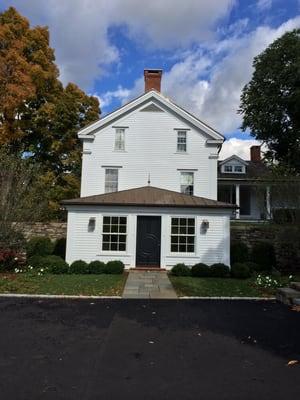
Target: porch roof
148, 196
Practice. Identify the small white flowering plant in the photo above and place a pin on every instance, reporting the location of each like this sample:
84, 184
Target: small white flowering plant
270, 282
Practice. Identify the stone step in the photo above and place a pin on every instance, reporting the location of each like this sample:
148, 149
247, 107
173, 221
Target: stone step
295, 286
287, 295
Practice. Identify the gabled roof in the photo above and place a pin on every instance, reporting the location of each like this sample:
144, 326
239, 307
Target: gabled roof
148, 196
233, 157
144, 99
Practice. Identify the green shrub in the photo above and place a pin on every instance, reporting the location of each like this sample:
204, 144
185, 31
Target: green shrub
39, 246
239, 252
56, 265
35, 261
60, 248
220, 270
114, 267
200, 270
254, 267
53, 264
264, 255
96, 267
79, 267
240, 271
288, 250
181, 270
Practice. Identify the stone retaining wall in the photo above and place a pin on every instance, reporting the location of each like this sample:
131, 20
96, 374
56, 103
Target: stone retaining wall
53, 230
251, 234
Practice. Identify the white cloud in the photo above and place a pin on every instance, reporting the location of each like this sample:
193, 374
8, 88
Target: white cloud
107, 98
239, 147
209, 83
264, 4
80, 28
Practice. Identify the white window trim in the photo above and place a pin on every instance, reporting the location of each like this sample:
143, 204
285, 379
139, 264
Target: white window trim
192, 171
180, 254
112, 252
233, 169
186, 141
123, 129
114, 168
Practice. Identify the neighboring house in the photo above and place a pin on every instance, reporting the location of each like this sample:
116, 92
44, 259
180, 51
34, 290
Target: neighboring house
243, 182
149, 187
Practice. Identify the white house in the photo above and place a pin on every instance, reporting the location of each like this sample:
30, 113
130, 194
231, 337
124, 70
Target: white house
245, 183
149, 187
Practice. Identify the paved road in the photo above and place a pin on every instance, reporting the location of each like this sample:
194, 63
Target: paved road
148, 349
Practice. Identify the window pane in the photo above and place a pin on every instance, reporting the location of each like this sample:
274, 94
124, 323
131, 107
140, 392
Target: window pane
105, 246
174, 221
112, 241
183, 235
111, 180
181, 141
120, 139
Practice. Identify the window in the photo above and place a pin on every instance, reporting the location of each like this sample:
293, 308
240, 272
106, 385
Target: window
114, 233
183, 235
181, 141
111, 180
187, 183
238, 168
228, 168
120, 139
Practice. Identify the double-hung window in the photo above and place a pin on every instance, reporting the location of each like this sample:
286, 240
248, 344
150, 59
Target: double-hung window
182, 235
114, 233
120, 139
181, 141
111, 180
187, 183
238, 168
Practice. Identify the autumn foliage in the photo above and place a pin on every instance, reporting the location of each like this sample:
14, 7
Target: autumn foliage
40, 117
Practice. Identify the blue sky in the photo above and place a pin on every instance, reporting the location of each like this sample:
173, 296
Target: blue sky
205, 48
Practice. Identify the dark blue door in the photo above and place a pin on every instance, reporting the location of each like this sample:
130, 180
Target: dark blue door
148, 241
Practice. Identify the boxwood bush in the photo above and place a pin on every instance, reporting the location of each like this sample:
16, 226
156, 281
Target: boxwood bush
240, 271
55, 265
79, 267
220, 270
114, 267
201, 270
264, 255
239, 252
96, 267
39, 246
181, 270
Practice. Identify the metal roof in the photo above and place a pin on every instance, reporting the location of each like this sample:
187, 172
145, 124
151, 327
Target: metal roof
148, 196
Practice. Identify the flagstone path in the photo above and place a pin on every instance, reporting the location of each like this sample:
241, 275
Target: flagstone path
148, 285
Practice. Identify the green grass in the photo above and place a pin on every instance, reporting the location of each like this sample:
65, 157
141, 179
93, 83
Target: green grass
88, 285
188, 286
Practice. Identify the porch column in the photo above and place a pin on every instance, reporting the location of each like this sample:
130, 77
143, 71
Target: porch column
268, 202
237, 200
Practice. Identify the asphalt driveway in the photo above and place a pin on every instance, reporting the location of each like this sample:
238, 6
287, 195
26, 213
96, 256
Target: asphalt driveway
148, 349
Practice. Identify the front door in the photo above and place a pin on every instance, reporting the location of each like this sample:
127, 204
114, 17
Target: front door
148, 241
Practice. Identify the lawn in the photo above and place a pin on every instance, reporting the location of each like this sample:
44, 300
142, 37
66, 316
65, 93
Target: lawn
187, 286
88, 285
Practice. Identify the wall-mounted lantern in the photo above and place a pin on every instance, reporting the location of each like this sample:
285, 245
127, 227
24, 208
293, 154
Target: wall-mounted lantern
204, 226
92, 224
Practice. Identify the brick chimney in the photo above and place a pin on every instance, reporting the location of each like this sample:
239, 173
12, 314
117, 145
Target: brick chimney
152, 79
255, 153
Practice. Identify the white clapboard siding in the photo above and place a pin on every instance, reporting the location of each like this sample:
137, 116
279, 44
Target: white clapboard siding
150, 149
211, 246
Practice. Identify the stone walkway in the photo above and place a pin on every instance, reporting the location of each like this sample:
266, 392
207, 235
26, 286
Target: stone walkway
148, 284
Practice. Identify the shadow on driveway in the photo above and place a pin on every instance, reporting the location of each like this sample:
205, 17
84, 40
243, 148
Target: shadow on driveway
141, 349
